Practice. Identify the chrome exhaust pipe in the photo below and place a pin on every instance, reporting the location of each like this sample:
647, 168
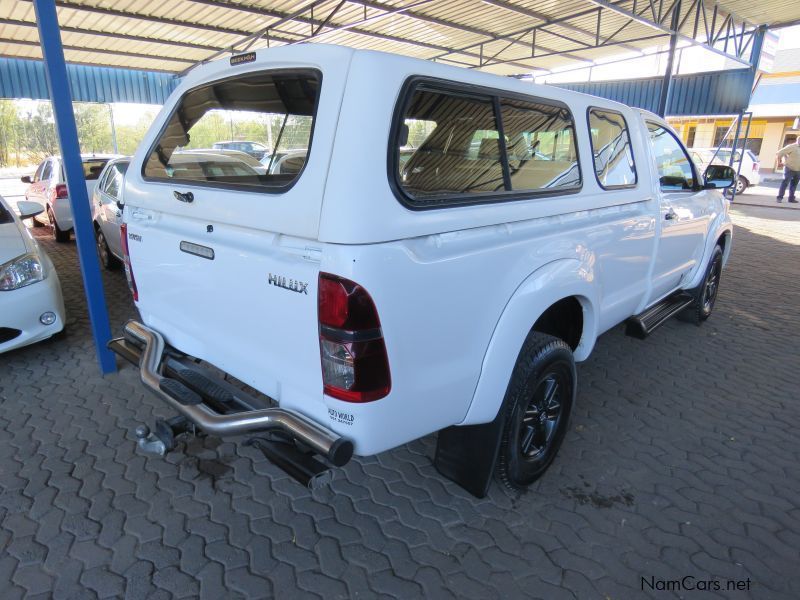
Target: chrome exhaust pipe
322, 440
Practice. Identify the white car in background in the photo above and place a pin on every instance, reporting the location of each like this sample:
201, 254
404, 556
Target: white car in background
748, 174
48, 187
31, 305
107, 206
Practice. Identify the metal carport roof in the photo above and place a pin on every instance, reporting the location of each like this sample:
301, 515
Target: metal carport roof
503, 36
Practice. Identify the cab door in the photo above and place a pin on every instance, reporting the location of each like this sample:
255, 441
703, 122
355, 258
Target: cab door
36, 190
685, 212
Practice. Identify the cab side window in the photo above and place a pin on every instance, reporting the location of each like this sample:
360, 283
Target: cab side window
47, 171
675, 169
611, 149
112, 185
38, 175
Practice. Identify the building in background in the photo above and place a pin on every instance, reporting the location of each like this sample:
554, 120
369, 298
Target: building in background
775, 108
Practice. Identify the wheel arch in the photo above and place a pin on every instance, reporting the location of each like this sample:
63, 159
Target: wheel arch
561, 289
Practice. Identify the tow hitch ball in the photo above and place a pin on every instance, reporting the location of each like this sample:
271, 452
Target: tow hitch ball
162, 440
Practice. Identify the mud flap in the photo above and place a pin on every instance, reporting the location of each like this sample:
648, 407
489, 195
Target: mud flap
467, 455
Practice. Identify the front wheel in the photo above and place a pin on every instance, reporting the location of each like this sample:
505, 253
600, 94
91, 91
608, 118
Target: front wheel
537, 407
706, 294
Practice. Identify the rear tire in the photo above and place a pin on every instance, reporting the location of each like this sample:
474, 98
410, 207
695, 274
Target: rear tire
107, 260
60, 236
741, 185
537, 407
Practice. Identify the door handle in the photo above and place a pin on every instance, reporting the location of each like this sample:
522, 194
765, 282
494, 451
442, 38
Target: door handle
140, 215
187, 197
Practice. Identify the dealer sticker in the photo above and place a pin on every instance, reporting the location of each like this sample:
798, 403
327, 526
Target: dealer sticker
337, 416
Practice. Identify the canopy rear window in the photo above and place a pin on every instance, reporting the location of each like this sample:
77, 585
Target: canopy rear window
273, 110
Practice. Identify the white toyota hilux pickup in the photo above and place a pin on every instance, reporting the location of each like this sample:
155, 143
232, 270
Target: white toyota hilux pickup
442, 249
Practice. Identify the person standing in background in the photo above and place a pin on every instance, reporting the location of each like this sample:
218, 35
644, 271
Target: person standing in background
791, 170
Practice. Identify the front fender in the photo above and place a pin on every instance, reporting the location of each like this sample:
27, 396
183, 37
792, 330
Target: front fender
720, 226
541, 289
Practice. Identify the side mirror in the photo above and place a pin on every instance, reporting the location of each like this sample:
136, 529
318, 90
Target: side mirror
29, 209
26, 179
719, 177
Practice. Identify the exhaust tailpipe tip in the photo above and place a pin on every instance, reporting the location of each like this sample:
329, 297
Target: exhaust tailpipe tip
341, 452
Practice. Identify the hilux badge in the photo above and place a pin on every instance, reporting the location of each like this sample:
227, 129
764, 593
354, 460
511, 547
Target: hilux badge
293, 285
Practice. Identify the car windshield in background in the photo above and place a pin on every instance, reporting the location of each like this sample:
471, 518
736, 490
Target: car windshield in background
273, 111
93, 167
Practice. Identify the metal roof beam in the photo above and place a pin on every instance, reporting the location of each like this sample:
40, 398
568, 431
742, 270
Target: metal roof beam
390, 10
142, 17
605, 4
116, 36
639, 39
540, 27
352, 27
99, 50
512, 38
542, 17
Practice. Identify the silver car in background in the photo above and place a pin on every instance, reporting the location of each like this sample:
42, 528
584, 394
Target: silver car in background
107, 204
748, 174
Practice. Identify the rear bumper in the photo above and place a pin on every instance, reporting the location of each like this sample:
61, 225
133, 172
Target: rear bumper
211, 403
63, 213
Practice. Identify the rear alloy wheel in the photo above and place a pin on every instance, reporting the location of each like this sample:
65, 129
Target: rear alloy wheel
59, 235
537, 408
108, 260
741, 186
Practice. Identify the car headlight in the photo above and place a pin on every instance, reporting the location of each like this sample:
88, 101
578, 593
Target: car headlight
23, 270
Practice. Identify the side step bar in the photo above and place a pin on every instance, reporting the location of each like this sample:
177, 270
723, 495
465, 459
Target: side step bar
643, 324
211, 404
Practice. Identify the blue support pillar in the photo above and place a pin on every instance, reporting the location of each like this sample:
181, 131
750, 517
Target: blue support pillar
58, 84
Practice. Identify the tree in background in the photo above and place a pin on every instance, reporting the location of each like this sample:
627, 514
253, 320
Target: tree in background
129, 136
28, 135
94, 128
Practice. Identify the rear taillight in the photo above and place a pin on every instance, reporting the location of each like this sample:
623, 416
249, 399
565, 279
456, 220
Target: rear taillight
355, 366
123, 234
60, 191
756, 167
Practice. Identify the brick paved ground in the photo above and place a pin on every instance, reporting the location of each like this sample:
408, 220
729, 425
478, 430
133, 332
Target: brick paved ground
682, 459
